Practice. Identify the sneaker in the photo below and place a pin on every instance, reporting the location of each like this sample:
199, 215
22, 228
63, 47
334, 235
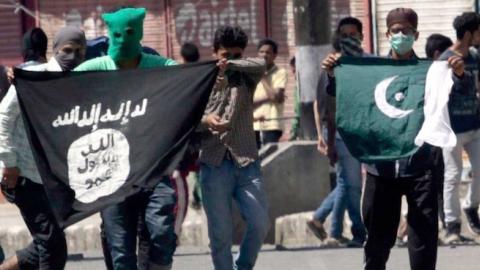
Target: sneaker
317, 228
339, 242
400, 243
473, 220
453, 237
452, 233
355, 243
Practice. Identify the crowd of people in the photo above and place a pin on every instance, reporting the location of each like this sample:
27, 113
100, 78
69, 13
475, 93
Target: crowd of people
244, 113
429, 179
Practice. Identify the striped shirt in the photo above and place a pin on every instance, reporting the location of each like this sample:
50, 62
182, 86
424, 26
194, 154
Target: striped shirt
232, 100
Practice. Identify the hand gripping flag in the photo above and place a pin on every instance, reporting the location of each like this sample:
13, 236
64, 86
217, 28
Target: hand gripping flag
99, 137
387, 108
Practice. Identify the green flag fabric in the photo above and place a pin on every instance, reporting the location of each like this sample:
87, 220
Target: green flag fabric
380, 106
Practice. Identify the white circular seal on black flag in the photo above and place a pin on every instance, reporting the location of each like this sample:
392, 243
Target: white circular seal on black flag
98, 164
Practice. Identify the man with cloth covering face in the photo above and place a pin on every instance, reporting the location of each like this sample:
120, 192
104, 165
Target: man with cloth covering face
21, 182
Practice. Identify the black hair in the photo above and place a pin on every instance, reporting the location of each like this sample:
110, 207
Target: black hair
230, 37
437, 42
35, 44
467, 22
270, 42
350, 20
189, 52
292, 61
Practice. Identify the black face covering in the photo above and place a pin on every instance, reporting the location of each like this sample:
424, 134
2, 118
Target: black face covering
69, 60
348, 45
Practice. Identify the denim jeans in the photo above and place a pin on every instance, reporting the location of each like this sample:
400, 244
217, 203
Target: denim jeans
245, 186
121, 223
2, 255
470, 141
48, 250
346, 195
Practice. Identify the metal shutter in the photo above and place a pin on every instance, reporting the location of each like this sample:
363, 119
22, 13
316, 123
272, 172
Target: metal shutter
434, 16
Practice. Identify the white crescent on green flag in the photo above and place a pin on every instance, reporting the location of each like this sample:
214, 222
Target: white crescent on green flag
386, 109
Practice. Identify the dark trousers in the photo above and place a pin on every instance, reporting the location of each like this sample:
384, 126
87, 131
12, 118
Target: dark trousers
439, 177
48, 251
143, 246
267, 136
381, 213
156, 209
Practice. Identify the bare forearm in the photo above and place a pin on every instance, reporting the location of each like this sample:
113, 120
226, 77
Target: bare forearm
259, 102
318, 119
331, 125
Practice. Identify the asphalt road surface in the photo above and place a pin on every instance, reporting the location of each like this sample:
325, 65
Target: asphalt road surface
459, 258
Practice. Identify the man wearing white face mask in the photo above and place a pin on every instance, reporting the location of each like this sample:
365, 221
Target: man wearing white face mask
348, 190
387, 182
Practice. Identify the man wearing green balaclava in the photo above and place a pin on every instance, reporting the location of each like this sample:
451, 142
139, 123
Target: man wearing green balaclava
154, 206
125, 31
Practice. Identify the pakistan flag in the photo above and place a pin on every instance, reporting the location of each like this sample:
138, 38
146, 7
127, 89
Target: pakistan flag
386, 109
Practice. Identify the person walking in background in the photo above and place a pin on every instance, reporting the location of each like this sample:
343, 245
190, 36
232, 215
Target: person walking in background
464, 110
348, 190
269, 96
189, 53
436, 45
34, 48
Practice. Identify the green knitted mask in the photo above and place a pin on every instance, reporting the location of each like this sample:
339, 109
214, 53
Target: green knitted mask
125, 30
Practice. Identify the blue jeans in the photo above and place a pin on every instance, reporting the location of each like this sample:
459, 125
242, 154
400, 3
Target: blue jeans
245, 186
346, 195
2, 255
120, 223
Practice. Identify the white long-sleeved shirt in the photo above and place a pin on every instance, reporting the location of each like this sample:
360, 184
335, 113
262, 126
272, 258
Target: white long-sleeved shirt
15, 150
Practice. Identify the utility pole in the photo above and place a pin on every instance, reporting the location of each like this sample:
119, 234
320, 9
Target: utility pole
312, 36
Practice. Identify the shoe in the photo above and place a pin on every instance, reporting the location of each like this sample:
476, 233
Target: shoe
452, 233
457, 239
473, 220
355, 243
317, 228
400, 243
453, 237
339, 242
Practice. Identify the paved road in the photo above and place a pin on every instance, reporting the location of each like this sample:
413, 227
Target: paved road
460, 258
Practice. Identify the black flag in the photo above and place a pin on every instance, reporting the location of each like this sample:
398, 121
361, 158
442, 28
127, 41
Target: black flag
99, 137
